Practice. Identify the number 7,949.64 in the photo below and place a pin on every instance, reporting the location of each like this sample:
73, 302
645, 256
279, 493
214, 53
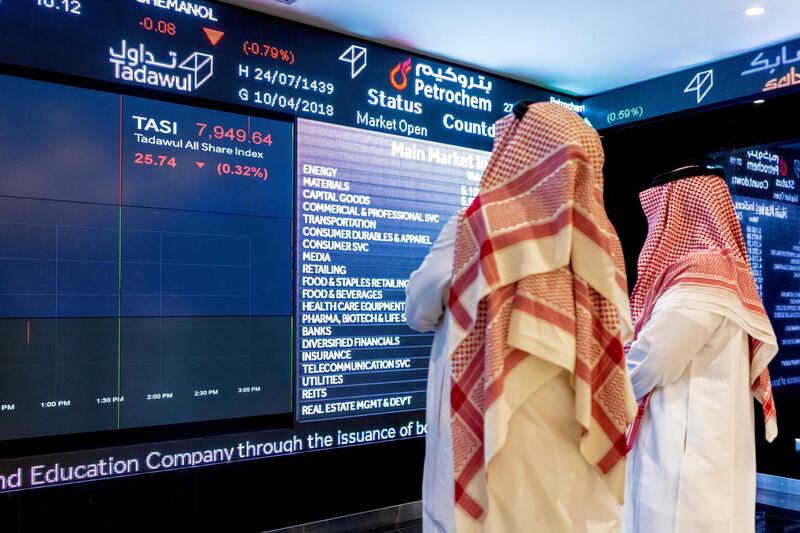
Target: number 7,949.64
240, 135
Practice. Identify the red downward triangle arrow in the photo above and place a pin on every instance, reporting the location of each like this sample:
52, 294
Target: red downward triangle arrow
199, 164
213, 35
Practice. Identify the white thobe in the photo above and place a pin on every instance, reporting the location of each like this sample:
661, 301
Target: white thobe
538, 481
692, 468
426, 297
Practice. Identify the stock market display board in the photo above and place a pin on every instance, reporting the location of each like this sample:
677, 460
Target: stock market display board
145, 262
209, 214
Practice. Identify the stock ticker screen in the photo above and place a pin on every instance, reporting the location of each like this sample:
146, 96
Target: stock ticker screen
208, 214
145, 262
765, 184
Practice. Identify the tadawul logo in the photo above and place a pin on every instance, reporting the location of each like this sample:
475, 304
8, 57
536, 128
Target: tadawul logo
401, 69
139, 65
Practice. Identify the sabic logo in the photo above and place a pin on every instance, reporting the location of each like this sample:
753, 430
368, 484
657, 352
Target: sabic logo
402, 69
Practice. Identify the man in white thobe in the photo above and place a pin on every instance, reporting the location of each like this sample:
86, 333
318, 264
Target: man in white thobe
548, 399
702, 345
426, 297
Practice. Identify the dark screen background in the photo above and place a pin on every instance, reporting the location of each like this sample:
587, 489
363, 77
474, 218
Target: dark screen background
137, 288
634, 155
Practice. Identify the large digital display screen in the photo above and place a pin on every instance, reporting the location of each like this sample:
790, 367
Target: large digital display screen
369, 206
145, 262
759, 74
765, 184
210, 50
209, 215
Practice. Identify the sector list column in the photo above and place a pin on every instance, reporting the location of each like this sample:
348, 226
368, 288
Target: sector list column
370, 205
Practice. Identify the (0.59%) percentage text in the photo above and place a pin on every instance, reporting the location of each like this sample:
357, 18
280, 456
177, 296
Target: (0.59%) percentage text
625, 114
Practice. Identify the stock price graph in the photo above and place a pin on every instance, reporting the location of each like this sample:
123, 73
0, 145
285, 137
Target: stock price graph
145, 262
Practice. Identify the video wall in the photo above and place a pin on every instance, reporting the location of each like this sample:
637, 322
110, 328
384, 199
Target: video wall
207, 220
765, 184
145, 262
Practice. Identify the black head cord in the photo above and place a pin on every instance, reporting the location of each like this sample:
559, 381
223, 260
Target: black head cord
686, 172
521, 108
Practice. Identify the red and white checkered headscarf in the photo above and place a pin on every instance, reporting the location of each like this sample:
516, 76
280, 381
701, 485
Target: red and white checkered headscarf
538, 277
694, 240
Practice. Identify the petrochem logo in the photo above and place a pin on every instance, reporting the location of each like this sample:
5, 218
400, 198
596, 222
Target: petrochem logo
765, 162
139, 65
451, 86
578, 108
402, 69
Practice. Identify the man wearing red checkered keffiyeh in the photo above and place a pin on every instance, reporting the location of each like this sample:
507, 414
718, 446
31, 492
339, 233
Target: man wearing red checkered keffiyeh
702, 344
529, 398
